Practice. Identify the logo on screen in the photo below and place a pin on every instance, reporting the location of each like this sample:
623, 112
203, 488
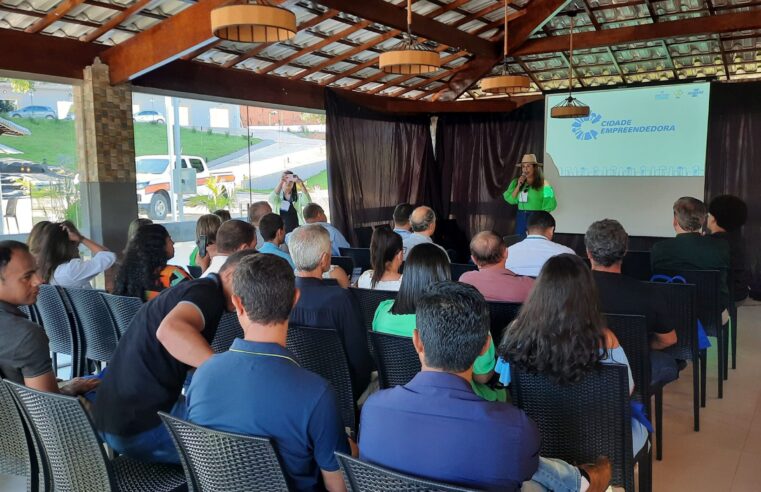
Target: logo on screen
587, 128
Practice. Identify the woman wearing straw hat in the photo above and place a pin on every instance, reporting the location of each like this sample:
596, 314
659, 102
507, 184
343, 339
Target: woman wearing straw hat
529, 191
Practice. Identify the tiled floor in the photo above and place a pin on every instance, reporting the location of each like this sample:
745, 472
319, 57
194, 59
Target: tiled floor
725, 455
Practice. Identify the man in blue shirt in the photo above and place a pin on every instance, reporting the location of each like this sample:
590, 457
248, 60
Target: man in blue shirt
435, 427
272, 230
257, 388
314, 214
402, 224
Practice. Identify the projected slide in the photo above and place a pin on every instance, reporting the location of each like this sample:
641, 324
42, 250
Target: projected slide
653, 131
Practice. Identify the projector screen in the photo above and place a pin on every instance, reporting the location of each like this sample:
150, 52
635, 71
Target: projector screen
637, 152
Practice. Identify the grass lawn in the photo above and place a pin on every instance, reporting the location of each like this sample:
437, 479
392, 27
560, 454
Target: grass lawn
54, 141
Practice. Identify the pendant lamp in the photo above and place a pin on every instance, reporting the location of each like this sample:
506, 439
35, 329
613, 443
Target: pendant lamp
254, 22
570, 107
505, 83
409, 57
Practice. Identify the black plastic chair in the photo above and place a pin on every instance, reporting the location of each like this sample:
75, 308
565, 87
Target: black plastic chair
75, 455
320, 350
459, 268
501, 314
368, 300
228, 330
364, 236
360, 257
512, 239
59, 328
94, 323
396, 358
17, 453
631, 332
366, 477
215, 460
122, 309
346, 263
636, 264
579, 422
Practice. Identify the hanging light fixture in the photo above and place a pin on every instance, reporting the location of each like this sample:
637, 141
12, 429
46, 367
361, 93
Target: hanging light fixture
254, 22
410, 57
570, 107
505, 83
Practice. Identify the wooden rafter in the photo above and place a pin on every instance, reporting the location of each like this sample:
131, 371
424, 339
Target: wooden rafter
616, 64
529, 73
722, 51
427, 81
670, 59
651, 11
591, 15
40, 15
62, 9
46, 55
115, 20
578, 78
203, 49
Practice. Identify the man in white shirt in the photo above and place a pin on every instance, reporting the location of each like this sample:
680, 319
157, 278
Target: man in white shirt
528, 256
423, 225
232, 236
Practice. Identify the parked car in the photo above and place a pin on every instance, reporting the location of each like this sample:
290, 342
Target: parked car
154, 177
149, 117
35, 112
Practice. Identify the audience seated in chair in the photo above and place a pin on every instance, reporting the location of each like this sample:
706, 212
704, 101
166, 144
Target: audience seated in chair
257, 388
386, 257
144, 271
560, 331
168, 337
24, 351
272, 230
492, 279
606, 243
402, 224
423, 225
428, 264
314, 214
726, 216
528, 256
256, 211
325, 304
436, 428
207, 225
690, 250
232, 236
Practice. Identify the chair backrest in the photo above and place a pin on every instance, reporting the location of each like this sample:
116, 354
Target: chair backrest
366, 477
636, 264
396, 357
122, 309
91, 314
346, 263
459, 268
364, 236
215, 460
16, 456
681, 316
579, 422
368, 300
360, 256
58, 325
320, 351
73, 451
708, 292
228, 330
10, 208
501, 314
631, 332
512, 239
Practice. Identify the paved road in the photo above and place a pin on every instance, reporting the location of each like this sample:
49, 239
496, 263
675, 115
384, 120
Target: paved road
271, 180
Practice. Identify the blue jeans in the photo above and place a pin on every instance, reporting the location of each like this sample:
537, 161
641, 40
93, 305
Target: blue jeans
154, 445
663, 368
553, 475
521, 220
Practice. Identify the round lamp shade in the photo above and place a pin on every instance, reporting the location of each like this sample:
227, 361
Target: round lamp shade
253, 23
506, 84
409, 61
569, 112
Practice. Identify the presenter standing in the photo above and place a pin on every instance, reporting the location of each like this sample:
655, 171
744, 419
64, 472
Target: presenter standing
529, 191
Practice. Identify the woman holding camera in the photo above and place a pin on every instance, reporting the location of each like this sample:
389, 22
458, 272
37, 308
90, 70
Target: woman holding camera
529, 191
287, 202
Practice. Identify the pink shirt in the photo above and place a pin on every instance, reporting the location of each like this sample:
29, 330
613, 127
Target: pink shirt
499, 284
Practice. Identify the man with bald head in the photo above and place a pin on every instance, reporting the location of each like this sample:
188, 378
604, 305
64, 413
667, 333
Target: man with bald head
423, 225
492, 279
256, 211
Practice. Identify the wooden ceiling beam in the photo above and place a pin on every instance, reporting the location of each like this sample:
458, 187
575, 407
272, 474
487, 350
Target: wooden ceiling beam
46, 55
395, 17
166, 41
54, 15
712, 11
115, 20
693, 26
40, 15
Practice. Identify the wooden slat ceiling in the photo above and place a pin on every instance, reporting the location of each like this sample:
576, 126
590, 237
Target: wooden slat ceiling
619, 41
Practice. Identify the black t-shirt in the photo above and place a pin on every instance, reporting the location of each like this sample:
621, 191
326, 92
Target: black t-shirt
621, 294
142, 378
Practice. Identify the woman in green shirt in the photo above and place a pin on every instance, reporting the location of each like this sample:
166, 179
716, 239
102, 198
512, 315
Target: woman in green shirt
529, 191
427, 264
287, 202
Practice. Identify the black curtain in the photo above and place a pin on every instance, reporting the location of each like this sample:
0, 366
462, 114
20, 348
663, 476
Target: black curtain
376, 161
733, 160
476, 155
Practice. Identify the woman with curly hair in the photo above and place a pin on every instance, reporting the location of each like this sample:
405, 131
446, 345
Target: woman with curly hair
144, 272
561, 332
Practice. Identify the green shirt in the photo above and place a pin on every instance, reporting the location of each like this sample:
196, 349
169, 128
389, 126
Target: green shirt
403, 325
276, 199
541, 199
